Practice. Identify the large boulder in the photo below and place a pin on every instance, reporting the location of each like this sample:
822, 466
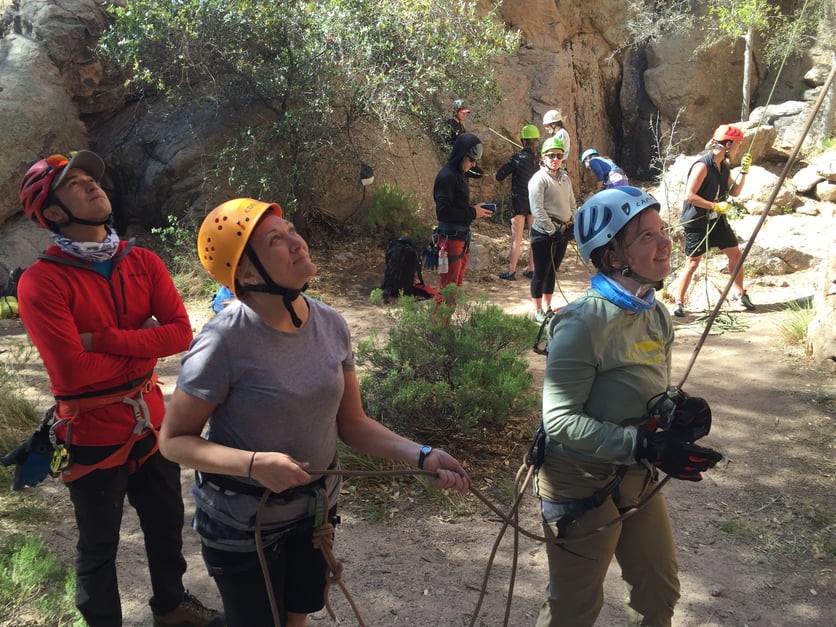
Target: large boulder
821, 334
37, 115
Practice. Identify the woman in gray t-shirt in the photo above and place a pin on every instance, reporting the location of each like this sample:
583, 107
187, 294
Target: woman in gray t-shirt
273, 376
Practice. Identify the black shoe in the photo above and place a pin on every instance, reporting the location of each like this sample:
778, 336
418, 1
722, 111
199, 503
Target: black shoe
190, 613
508, 276
528, 274
747, 303
678, 310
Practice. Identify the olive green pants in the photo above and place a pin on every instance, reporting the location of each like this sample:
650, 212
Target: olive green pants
642, 544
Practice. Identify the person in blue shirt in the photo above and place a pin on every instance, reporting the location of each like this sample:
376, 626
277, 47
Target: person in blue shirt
607, 173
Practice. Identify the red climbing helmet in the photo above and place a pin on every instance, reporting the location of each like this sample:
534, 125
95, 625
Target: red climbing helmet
47, 174
727, 132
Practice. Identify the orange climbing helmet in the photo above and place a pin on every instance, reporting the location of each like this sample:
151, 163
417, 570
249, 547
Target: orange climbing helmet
224, 234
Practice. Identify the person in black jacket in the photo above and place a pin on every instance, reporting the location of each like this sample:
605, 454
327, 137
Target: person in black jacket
521, 166
451, 193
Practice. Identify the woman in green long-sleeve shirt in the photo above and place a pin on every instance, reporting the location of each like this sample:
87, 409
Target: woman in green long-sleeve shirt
609, 354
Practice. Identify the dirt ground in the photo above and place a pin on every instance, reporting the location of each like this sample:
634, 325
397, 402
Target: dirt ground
756, 538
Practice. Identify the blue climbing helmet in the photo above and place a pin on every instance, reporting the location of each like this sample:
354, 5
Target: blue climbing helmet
602, 216
591, 152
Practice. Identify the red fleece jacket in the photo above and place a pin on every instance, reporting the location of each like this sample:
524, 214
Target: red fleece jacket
58, 302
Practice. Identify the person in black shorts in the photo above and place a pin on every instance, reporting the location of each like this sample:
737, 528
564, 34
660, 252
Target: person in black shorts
521, 166
703, 214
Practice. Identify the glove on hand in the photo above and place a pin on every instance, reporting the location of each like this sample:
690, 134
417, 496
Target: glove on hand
32, 460
721, 207
691, 419
746, 163
675, 457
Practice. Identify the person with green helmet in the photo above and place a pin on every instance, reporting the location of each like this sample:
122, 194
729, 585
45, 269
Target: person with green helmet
553, 207
521, 166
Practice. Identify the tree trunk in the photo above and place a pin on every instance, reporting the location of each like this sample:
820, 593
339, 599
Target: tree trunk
747, 64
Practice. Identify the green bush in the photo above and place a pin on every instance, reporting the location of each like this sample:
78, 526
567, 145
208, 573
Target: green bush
447, 371
393, 212
33, 581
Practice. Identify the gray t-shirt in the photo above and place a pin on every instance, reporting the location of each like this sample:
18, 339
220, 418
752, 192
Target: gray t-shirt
275, 391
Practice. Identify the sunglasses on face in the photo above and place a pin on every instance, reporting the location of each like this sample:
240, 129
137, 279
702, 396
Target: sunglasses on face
554, 155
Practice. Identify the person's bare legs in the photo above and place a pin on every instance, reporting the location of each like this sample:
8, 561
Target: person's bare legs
734, 254
685, 280
529, 220
517, 228
297, 620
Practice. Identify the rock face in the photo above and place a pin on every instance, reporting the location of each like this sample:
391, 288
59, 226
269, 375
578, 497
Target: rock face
623, 101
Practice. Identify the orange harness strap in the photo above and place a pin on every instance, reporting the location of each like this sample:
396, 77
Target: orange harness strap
132, 397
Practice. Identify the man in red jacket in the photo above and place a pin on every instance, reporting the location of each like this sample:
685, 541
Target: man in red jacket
101, 312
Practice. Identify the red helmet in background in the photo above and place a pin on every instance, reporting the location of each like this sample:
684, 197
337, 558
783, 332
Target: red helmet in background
727, 132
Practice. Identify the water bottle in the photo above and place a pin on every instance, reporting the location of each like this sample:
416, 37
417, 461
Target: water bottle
443, 264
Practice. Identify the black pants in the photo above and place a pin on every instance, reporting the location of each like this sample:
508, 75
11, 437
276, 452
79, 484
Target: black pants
154, 492
298, 574
548, 254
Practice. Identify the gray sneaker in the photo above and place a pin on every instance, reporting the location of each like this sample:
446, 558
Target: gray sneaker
744, 300
190, 613
539, 316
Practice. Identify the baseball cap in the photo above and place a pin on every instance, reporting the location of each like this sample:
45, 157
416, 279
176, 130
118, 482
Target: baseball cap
86, 160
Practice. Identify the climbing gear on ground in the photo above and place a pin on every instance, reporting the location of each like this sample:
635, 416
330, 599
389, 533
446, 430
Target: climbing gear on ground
727, 132
190, 613
529, 131
402, 275
674, 456
679, 310
552, 143
508, 276
602, 216
590, 152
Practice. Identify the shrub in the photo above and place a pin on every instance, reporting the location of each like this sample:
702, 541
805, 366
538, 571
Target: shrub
34, 581
448, 371
394, 212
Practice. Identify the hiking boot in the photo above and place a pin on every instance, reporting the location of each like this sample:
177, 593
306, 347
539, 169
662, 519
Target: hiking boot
508, 276
746, 302
679, 310
539, 316
528, 274
190, 613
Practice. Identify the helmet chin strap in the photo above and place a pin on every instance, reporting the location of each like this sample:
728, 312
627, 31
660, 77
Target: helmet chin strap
71, 219
271, 287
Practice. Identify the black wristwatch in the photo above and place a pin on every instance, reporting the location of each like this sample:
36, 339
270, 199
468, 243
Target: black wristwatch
425, 450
